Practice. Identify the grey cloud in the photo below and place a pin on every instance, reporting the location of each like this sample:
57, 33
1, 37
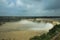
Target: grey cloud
33, 8
52, 4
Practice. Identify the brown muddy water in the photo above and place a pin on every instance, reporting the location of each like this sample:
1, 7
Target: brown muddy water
23, 30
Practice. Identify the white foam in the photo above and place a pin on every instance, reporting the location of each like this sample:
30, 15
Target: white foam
27, 25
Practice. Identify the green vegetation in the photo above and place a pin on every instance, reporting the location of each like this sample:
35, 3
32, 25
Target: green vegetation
3, 19
54, 31
9, 19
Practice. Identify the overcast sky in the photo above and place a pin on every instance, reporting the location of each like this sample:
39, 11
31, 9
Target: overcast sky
29, 7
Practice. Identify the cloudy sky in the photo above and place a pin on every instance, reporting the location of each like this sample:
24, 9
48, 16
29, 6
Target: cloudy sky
29, 7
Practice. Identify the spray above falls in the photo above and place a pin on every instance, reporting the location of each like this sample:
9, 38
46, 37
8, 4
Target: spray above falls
26, 25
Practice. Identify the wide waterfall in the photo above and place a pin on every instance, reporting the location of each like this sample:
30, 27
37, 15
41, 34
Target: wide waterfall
26, 25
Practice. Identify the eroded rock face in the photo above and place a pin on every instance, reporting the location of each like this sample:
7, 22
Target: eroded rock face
56, 37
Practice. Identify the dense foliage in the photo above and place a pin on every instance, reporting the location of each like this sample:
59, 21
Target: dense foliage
54, 31
3, 19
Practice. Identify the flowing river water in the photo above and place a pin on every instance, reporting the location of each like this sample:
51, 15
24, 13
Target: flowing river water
23, 30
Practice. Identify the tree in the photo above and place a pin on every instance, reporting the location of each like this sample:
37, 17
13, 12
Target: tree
55, 30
